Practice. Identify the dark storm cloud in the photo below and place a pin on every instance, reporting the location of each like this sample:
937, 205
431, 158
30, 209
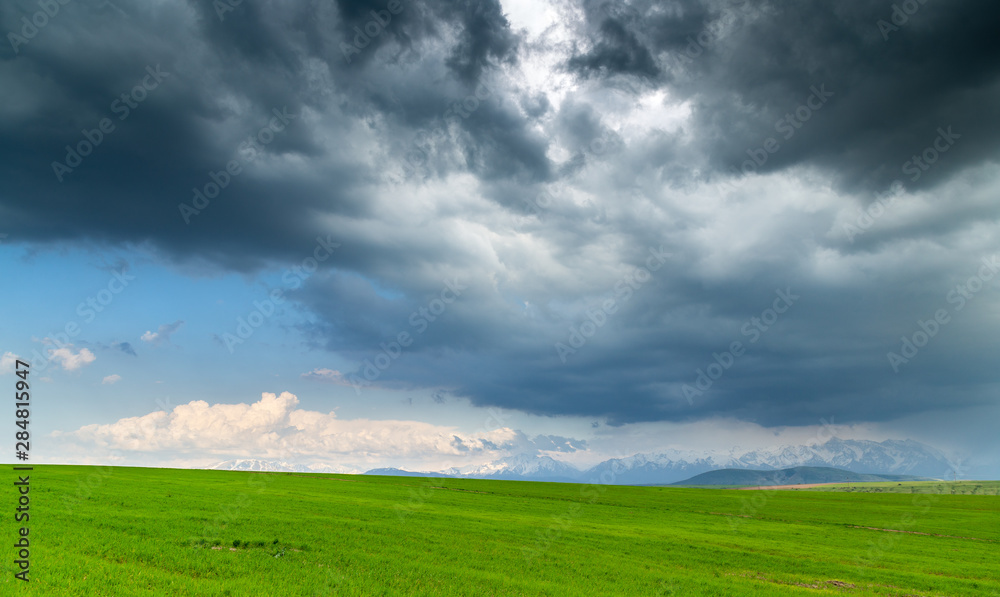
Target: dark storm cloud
824, 356
485, 40
625, 36
416, 147
220, 81
169, 132
617, 52
748, 67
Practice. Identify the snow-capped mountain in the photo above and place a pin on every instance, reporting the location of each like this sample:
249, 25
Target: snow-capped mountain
398, 472
900, 457
645, 469
520, 466
903, 457
253, 464
860, 456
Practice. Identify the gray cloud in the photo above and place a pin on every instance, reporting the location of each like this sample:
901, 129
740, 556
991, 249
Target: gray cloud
125, 347
746, 67
673, 126
162, 334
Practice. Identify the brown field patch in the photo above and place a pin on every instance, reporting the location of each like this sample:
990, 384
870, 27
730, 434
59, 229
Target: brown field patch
799, 486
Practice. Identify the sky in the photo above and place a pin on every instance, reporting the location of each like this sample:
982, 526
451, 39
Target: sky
427, 234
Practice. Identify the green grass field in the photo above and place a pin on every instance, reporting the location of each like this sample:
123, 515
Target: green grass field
934, 487
130, 531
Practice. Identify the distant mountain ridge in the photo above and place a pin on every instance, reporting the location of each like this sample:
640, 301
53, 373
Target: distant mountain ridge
274, 466
798, 475
890, 457
894, 457
525, 467
398, 472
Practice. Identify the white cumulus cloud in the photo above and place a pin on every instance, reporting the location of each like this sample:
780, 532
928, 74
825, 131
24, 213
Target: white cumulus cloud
69, 360
274, 427
7, 362
111, 379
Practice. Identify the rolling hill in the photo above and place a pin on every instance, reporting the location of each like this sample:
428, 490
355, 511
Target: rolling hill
790, 476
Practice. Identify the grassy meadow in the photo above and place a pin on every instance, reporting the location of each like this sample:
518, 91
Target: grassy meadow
133, 532
935, 487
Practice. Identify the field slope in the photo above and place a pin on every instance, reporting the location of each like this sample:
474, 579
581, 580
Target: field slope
130, 531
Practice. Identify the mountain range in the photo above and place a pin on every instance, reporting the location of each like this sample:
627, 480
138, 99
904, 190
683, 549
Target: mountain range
901, 457
893, 457
274, 466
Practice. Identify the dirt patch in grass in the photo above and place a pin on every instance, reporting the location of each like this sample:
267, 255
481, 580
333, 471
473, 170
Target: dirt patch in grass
815, 585
799, 486
854, 526
456, 489
836, 583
